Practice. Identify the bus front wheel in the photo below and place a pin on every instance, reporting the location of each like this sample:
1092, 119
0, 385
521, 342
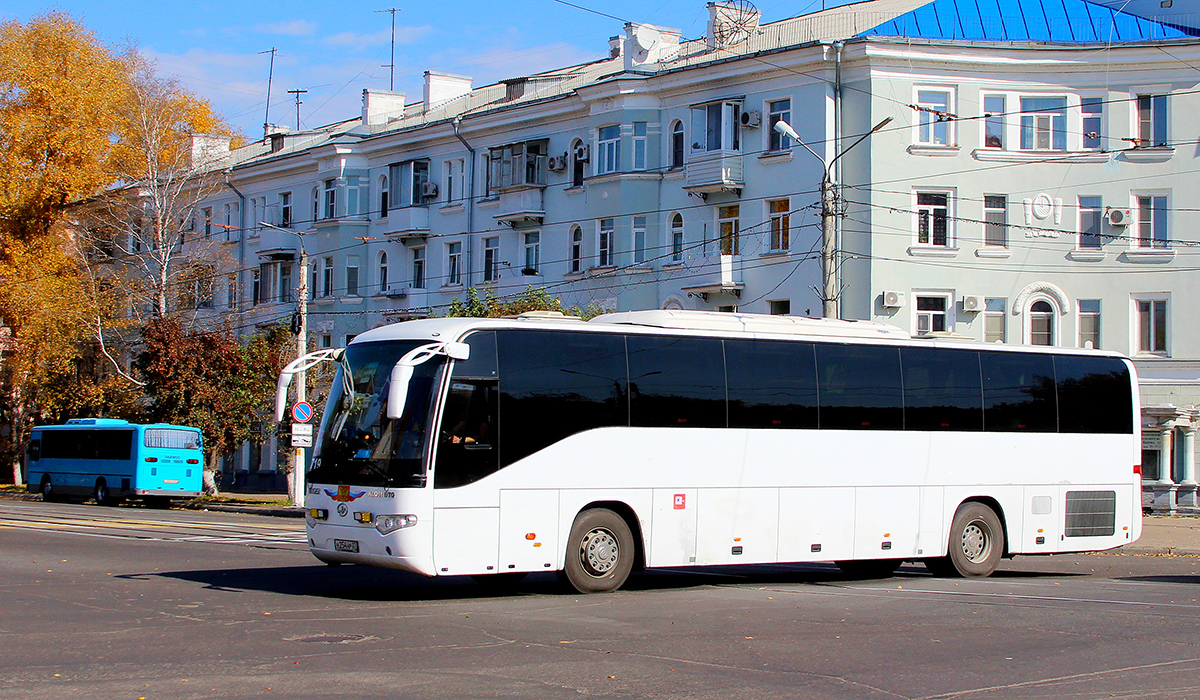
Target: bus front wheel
101, 494
976, 543
47, 491
599, 552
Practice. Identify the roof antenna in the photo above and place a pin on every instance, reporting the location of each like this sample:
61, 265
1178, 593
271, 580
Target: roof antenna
270, 75
392, 65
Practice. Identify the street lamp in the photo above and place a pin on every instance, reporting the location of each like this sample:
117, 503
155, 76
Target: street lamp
829, 285
297, 485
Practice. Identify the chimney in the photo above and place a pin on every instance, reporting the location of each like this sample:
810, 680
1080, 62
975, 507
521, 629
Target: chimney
443, 87
208, 149
381, 106
614, 46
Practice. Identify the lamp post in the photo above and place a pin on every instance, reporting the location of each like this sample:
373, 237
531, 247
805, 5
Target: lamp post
297, 486
829, 285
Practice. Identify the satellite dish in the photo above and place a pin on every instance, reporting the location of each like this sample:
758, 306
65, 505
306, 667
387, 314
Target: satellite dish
646, 37
734, 22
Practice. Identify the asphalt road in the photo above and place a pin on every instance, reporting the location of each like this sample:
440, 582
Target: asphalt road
133, 603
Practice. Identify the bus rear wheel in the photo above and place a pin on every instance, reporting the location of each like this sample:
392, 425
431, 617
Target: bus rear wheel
101, 494
599, 552
976, 543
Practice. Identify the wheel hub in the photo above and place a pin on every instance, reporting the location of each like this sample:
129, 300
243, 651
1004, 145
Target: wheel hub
600, 552
976, 544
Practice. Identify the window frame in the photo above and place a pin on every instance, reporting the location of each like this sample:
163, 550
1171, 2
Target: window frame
641, 144
946, 313
1156, 328
996, 121
285, 209
1150, 115
608, 149
993, 308
1095, 332
928, 125
517, 164
677, 237
678, 144
1093, 208
605, 242
1159, 221
1056, 130
729, 243
726, 136
1055, 327
951, 242
491, 259
531, 248
995, 221
418, 280
777, 142
453, 264
779, 233
576, 244
329, 199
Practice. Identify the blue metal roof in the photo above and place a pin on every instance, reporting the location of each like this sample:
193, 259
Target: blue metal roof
1055, 21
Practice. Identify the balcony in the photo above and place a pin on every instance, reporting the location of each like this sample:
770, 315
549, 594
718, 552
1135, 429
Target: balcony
715, 171
521, 203
406, 223
718, 274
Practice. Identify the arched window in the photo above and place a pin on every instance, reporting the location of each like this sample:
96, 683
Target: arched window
383, 197
576, 249
1041, 323
677, 237
316, 204
577, 164
677, 144
383, 271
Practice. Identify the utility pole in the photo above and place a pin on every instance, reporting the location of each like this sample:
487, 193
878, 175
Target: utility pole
829, 203
392, 65
297, 93
270, 77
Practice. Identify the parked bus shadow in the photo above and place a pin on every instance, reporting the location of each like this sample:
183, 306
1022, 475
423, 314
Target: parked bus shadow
370, 584
1181, 579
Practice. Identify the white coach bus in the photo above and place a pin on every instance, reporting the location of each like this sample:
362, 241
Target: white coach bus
499, 447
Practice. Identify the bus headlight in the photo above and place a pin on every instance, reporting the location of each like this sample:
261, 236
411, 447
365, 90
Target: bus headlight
391, 523
315, 514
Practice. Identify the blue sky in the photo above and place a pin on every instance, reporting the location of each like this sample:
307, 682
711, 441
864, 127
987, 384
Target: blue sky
334, 50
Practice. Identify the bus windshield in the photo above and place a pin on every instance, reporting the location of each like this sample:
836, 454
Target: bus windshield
359, 444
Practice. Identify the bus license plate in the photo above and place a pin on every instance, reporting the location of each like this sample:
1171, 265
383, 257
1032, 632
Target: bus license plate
346, 546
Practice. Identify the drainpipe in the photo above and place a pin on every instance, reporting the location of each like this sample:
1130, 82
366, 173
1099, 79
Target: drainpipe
837, 148
470, 195
241, 235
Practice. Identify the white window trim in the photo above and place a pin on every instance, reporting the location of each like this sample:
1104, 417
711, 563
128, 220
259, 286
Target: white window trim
951, 214
947, 294
1005, 118
1056, 314
1137, 220
951, 108
1134, 326
598, 154
766, 124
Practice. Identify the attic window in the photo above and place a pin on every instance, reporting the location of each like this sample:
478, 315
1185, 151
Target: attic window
514, 89
276, 142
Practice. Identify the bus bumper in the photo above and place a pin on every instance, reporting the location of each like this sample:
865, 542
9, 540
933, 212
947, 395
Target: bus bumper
169, 494
407, 549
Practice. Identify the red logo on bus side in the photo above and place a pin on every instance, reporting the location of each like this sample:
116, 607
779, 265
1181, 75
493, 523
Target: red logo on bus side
680, 501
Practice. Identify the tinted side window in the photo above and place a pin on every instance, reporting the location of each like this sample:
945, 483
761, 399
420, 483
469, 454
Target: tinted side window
859, 387
942, 389
1018, 393
556, 384
1094, 395
468, 442
676, 382
88, 444
771, 384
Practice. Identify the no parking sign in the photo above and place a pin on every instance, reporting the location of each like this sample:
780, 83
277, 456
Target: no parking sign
302, 412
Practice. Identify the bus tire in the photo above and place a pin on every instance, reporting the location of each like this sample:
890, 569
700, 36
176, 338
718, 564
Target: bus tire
101, 494
47, 491
869, 568
600, 552
976, 541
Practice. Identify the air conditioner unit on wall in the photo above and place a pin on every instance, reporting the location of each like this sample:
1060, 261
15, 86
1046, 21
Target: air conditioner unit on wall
581, 153
972, 303
558, 163
429, 189
893, 300
1120, 217
751, 118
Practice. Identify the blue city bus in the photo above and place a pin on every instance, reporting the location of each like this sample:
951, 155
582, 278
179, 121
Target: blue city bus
111, 460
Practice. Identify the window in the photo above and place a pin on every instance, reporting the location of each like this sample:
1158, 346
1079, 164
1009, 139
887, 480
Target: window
772, 384
779, 211
993, 122
778, 111
1091, 218
352, 275
315, 276
408, 182
1094, 395
993, 320
258, 212
453, 263
1152, 120
1151, 222
383, 271
676, 382
677, 237
1019, 392
639, 239
285, 209
232, 225
931, 314
578, 165
1044, 123
327, 278
715, 127
256, 286
316, 204
231, 286
196, 290
418, 268
1089, 323
943, 389
1041, 323
326, 340
1093, 122
576, 249
995, 216
533, 253
517, 164
677, 144
384, 195
454, 177
604, 244
859, 387
283, 284
491, 259
780, 307
608, 155
933, 213
639, 145
933, 125
1152, 326
207, 215
729, 228
330, 199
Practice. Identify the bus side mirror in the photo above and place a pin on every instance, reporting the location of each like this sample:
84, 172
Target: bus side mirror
281, 391
458, 351
398, 389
